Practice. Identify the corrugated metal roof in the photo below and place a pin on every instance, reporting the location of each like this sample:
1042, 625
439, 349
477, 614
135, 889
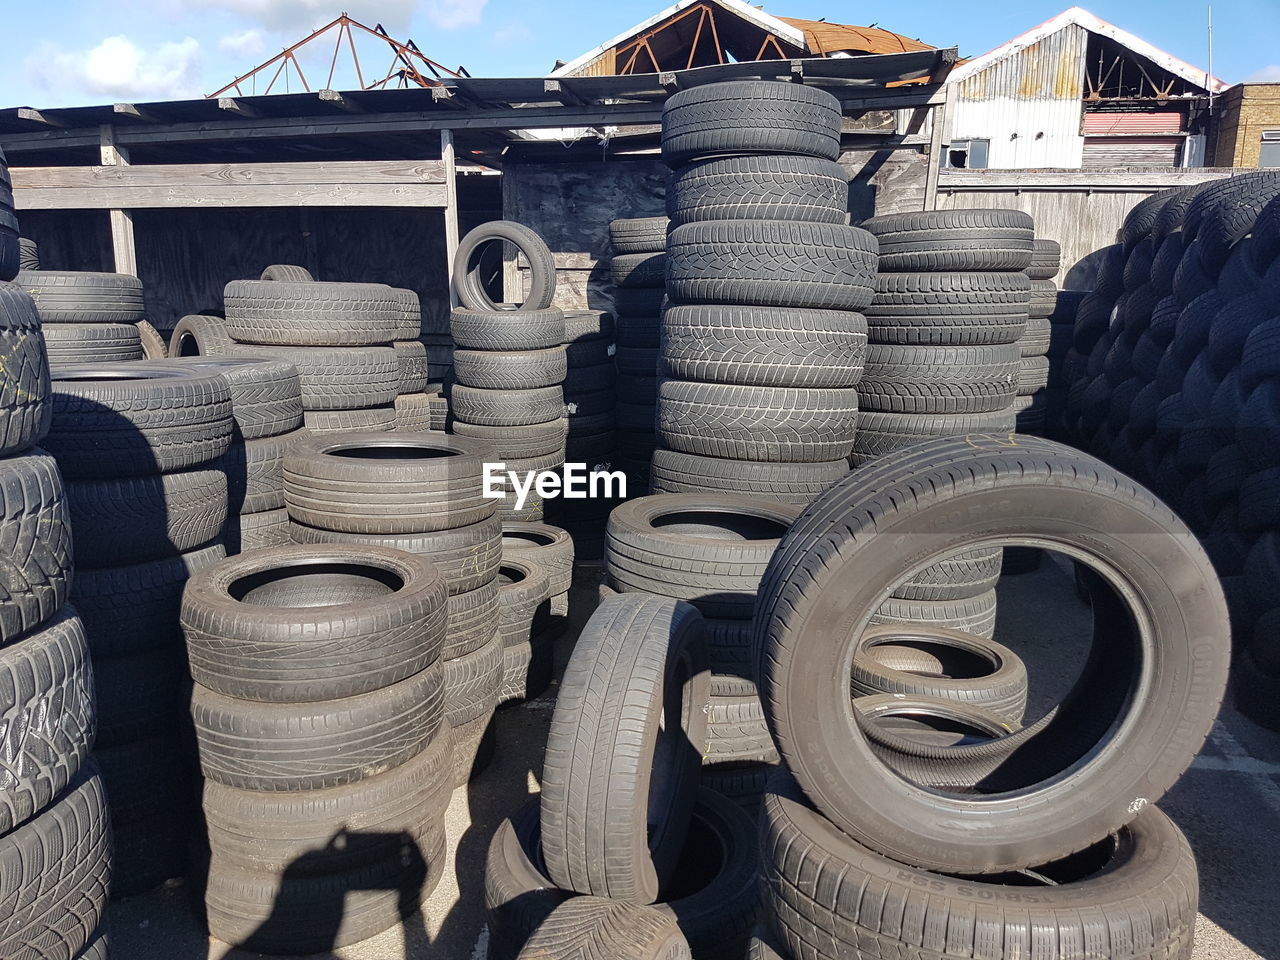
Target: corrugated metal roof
824, 38
1052, 68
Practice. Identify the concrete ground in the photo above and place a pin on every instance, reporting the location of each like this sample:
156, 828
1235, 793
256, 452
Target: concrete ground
1228, 804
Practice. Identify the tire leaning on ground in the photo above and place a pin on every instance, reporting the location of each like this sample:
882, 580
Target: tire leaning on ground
25, 413
467, 280
1061, 499
715, 908
622, 752
594, 928
307, 623
1130, 897
708, 549
386, 483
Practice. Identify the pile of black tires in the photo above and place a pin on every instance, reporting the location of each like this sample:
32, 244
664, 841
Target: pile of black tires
420, 493
319, 709
92, 317
709, 550
1178, 389
1034, 345
509, 365
55, 836
141, 446
762, 342
891, 835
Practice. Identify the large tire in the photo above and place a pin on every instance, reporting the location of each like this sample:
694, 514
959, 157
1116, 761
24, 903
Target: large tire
595, 928
1137, 738
630, 270
266, 395
496, 329
200, 336
84, 297
770, 424
510, 370
25, 411
777, 187
707, 549
798, 483
531, 440
311, 314
369, 419
954, 240
774, 263
131, 520
715, 912
386, 484
1133, 898
337, 378
961, 309
939, 380
467, 281
58, 871
132, 420
763, 346
749, 117
304, 623
466, 556
630, 708
916, 660
309, 746
48, 716
472, 682
134, 609
35, 543
507, 408
92, 342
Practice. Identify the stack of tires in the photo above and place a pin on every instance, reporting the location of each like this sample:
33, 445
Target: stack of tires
621, 822
709, 550
1183, 392
552, 549
320, 720
762, 341
639, 264
524, 626
951, 305
55, 838
1034, 344
11, 246
337, 335
266, 411
861, 839
142, 448
509, 368
413, 401
421, 493
88, 317
1092, 323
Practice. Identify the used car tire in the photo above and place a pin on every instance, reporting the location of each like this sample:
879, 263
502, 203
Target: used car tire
310, 313
1096, 515
336, 378
35, 543
799, 483
466, 278
200, 336
92, 342
768, 187
66, 297
954, 240
595, 928
632, 698
25, 411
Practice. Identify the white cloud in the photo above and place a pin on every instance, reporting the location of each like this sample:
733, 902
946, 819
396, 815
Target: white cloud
296, 18
246, 43
451, 14
118, 67
1269, 74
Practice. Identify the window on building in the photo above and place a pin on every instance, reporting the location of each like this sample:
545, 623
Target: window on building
968, 154
1269, 156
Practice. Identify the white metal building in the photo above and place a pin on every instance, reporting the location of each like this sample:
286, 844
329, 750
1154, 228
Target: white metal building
1078, 92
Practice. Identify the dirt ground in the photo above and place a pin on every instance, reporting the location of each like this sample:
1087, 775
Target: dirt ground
1228, 804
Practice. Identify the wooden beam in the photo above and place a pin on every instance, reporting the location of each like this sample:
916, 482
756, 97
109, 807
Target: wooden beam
123, 248
557, 89
389, 183
451, 231
133, 112
39, 116
335, 99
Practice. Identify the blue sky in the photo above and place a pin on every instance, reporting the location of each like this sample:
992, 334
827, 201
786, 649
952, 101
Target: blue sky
67, 52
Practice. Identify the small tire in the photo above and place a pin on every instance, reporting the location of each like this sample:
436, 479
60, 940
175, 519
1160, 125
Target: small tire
467, 282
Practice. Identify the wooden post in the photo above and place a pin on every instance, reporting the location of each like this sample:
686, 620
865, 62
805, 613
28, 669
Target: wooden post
937, 124
450, 208
122, 245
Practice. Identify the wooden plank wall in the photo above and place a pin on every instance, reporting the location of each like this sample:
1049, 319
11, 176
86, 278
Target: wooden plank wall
186, 257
